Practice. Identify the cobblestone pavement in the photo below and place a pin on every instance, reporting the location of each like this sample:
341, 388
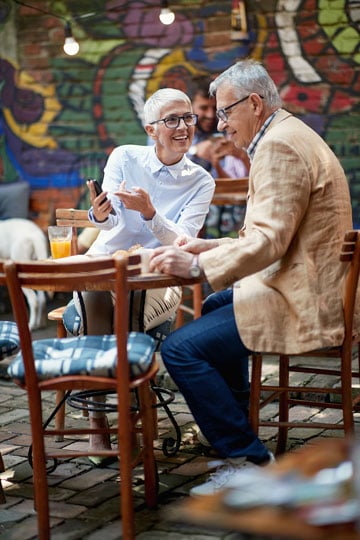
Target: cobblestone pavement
84, 500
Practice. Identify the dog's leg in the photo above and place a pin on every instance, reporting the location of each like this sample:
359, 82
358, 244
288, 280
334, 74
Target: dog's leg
32, 302
41, 318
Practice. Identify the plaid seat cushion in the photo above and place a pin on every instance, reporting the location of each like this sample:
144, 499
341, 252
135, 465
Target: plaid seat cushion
85, 355
74, 325
9, 339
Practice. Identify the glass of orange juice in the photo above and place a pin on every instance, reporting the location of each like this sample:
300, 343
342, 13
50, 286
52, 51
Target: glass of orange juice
60, 241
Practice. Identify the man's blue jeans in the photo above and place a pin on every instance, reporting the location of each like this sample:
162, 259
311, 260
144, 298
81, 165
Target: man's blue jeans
209, 363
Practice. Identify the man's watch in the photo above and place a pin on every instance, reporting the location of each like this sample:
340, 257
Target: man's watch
195, 270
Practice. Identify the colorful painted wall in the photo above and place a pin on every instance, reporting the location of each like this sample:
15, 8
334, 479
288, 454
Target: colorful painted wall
61, 115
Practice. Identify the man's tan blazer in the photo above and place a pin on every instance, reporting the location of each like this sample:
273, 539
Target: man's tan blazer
288, 280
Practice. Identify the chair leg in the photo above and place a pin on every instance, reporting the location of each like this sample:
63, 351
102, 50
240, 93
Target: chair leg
2, 494
146, 400
283, 404
125, 466
41, 494
197, 299
60, 415
255, 392
346, 392
179, 322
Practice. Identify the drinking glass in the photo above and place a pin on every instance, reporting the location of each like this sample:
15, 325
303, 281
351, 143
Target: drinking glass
60, 241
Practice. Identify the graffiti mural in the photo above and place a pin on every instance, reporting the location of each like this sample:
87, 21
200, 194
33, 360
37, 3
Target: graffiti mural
59, 132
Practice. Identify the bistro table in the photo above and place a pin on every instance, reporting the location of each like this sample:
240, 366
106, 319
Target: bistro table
136, 282
145, 281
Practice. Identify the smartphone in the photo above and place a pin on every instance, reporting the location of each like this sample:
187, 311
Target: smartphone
98, 190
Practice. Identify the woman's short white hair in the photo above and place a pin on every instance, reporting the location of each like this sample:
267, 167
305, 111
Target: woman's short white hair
161, 98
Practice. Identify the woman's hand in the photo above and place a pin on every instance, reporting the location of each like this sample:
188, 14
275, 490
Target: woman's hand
137, 199
100, 203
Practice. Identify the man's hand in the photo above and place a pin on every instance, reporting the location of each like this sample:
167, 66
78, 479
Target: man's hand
198, 245
177, 260
171, 260
137, 199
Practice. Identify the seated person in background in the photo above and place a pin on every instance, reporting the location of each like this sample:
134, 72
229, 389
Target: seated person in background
205, 108
156, 194
227, 160
216, 154
279, 284
86, 238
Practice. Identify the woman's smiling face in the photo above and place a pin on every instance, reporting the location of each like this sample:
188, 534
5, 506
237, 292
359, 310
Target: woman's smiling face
172, 143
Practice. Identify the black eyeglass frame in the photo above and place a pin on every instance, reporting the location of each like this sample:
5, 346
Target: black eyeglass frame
221, 114
193, 116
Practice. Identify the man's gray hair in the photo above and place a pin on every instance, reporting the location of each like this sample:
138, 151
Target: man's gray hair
246, 77
161, 98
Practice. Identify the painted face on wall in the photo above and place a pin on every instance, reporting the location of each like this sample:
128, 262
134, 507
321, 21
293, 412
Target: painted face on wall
173, 132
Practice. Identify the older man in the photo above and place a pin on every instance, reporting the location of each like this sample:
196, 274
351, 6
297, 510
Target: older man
279, 282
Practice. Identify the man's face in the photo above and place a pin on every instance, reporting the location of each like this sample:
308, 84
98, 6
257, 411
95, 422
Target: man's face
242, 122
205, 108
172, 143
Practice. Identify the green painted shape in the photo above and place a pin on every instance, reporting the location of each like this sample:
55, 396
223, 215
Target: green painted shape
334, 21
9, 171
119, 116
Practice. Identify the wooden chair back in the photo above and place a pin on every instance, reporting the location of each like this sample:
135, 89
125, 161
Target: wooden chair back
93, 274
230, 191
350, 253
306, 362
74, 218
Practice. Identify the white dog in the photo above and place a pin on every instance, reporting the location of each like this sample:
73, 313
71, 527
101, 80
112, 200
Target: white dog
23, 240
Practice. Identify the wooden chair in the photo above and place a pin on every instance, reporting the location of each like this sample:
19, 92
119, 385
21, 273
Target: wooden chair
284, 391
76, 219
228, 191
9, 346
114, 375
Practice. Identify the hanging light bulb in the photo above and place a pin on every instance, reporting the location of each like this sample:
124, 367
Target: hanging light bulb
166, 15
71, 46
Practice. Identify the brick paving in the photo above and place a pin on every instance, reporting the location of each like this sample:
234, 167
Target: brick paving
85, 500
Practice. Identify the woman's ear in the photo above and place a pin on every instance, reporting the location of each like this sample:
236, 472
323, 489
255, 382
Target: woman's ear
151, 131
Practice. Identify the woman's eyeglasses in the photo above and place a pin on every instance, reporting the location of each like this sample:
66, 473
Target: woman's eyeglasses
172, 122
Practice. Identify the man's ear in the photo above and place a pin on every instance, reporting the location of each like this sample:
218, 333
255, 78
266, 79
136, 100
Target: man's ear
151, 131
256, 103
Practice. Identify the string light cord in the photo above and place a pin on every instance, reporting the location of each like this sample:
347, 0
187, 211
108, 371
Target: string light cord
71, 46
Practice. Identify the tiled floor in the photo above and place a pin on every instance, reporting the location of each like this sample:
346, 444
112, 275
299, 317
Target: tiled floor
84, 500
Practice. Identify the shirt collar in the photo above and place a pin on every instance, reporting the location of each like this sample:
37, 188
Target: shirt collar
259, 135
156, 165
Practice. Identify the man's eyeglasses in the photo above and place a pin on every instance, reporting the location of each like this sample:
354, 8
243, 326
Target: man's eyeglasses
172, 122
222, 113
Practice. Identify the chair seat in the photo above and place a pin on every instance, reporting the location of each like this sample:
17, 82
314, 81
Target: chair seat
73, 323
85, 355
9, 339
